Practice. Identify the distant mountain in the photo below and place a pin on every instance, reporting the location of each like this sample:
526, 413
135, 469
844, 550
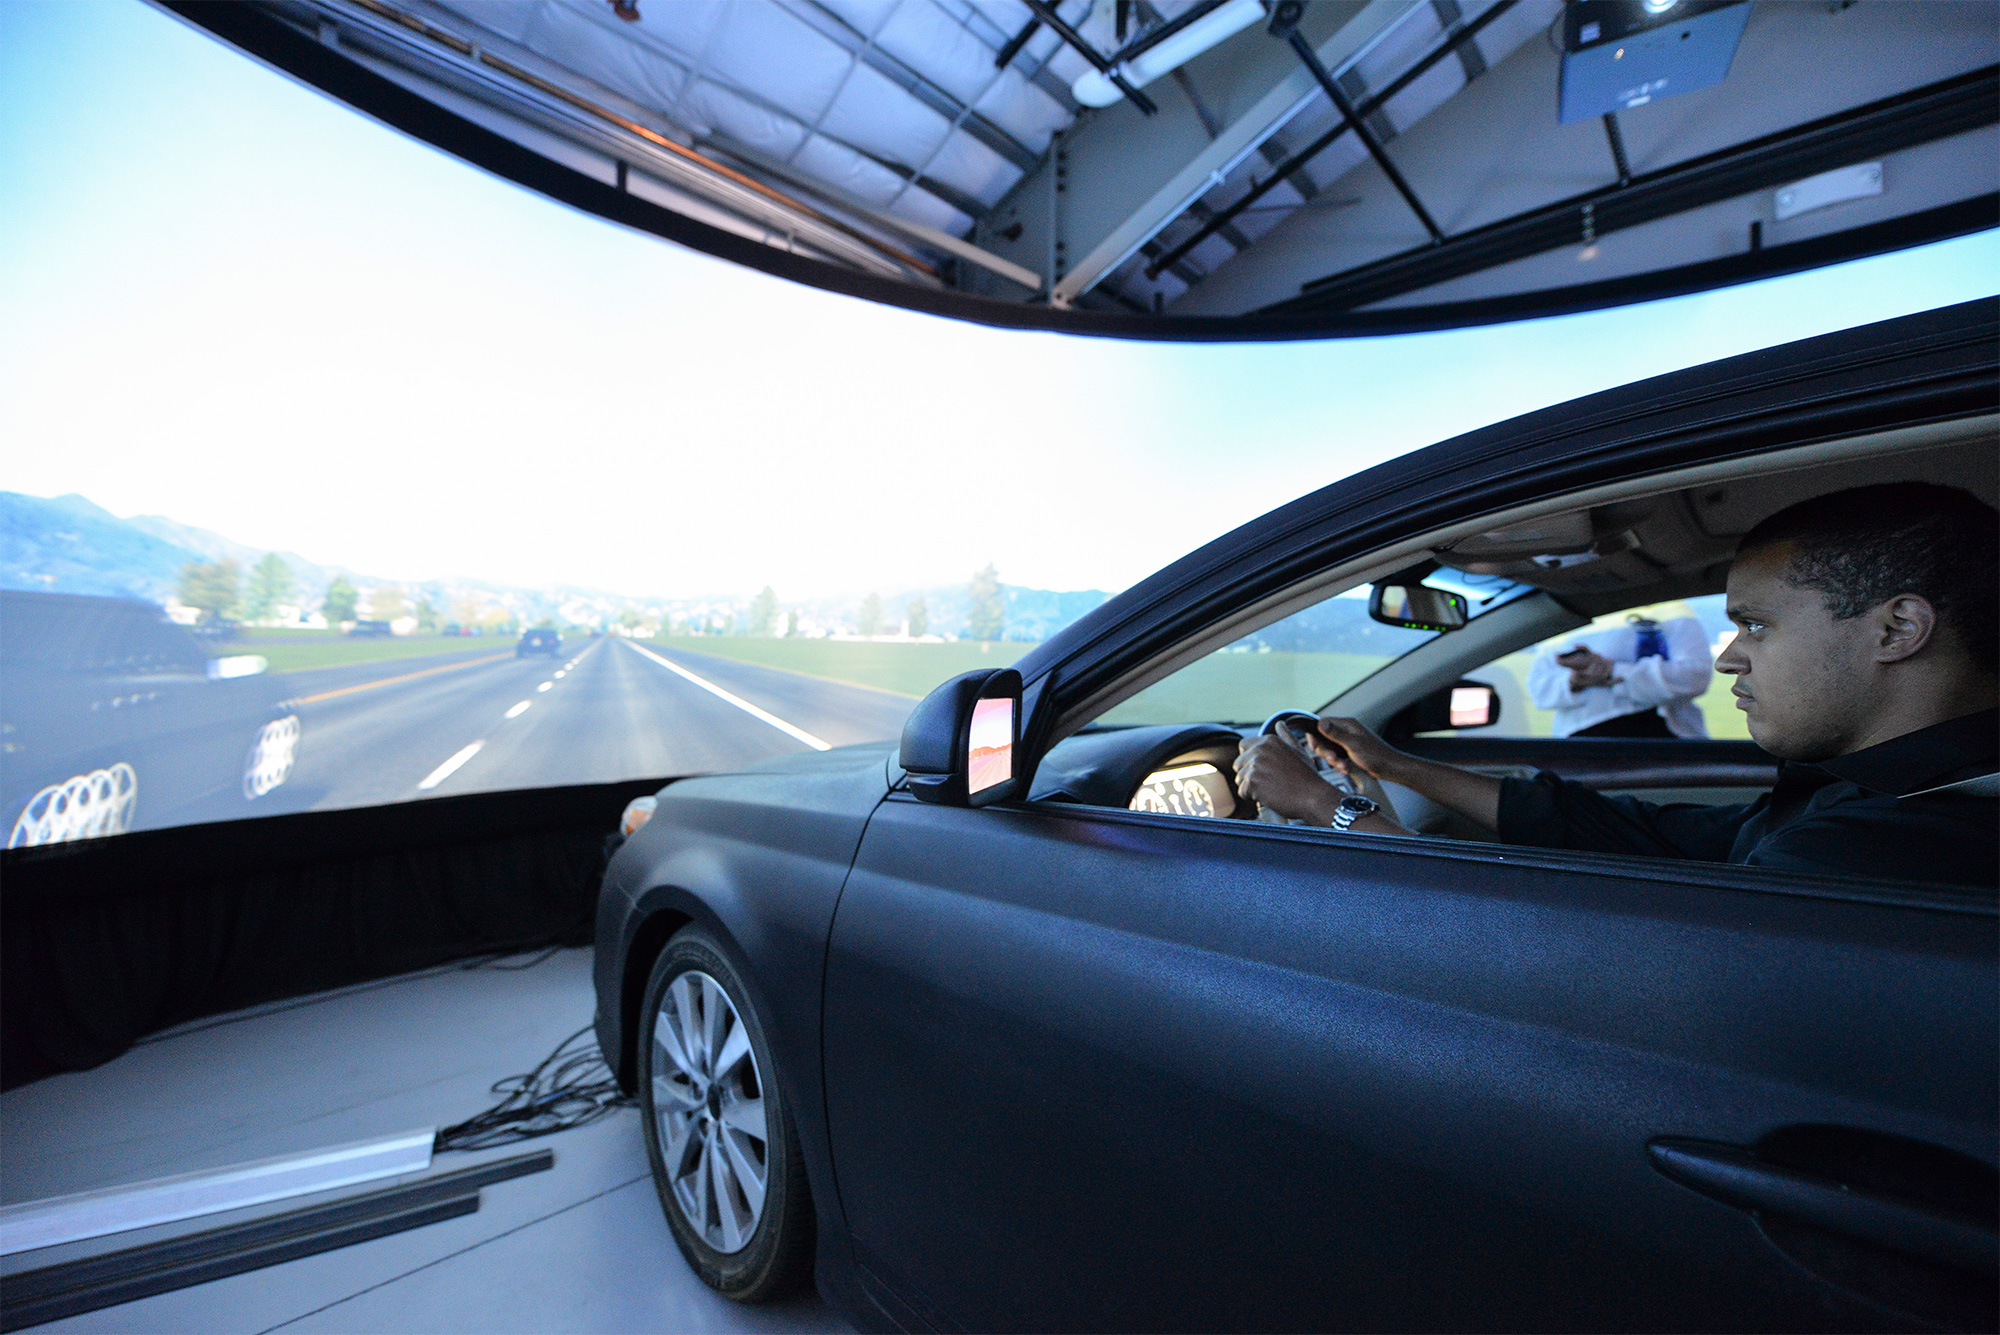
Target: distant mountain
72, 545
210, 546
68, 545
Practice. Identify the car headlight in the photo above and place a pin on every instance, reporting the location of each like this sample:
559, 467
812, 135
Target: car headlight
637, 812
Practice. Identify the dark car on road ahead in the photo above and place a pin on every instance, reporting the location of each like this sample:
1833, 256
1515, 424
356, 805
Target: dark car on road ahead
1096, 1047
114, 719
539, 641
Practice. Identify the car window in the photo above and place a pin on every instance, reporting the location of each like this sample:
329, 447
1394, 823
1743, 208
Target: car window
1300, 662
1522, 716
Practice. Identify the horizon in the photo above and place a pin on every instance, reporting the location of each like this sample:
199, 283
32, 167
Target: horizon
321, 337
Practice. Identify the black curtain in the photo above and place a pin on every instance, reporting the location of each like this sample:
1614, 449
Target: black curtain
105, 941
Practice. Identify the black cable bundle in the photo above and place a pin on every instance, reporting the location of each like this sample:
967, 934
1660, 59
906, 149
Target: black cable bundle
572, 1087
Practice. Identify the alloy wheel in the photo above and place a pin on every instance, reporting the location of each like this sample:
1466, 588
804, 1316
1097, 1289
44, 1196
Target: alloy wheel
708, 1101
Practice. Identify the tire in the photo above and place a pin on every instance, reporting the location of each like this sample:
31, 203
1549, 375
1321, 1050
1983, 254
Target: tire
704, 1120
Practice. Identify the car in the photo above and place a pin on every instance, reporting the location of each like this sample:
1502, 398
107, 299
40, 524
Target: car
363, 630
1092, 1046
116, 719
539, 641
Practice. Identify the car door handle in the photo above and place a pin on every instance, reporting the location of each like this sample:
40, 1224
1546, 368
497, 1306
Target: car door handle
1735, 1176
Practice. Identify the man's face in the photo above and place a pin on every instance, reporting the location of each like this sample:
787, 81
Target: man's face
1804, 680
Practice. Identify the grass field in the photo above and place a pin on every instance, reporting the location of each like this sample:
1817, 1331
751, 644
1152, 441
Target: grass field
300, 650
903, 669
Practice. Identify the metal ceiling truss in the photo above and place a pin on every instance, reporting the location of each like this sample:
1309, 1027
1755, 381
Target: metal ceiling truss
1077, 42
835, 29
1350, 117
1936, 111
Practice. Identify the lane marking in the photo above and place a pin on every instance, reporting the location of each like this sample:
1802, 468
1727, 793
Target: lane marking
450, 767
545, 685
763, 715
563, 673
518, 710
391, 681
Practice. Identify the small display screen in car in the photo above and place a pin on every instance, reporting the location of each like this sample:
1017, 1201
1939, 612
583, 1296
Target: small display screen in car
991, 755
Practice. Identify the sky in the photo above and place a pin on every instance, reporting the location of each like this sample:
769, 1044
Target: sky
238, 304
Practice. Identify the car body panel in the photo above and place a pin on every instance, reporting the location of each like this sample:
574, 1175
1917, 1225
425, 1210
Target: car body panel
1094, 1069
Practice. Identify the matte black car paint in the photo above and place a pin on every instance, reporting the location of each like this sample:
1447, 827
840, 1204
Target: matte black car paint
1088, 1068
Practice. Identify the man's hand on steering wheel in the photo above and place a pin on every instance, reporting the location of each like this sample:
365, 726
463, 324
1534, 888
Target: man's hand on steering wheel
1271, 772
1347, 745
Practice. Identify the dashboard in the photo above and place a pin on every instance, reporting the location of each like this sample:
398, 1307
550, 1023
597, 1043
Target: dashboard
1198, 789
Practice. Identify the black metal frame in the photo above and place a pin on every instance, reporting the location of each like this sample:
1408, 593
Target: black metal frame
1951, 106
1310, 59
1047, 14
1290, 166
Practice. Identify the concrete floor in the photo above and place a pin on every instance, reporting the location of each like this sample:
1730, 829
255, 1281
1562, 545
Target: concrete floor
583, 1247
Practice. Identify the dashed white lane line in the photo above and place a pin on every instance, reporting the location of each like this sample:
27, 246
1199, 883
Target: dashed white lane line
561, 673
518, 710
450, 767
545, 685
760, 714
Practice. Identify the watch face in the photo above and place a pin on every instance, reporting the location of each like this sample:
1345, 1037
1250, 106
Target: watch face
1358, 806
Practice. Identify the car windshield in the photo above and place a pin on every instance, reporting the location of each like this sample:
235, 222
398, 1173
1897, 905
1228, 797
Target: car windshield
1300, 662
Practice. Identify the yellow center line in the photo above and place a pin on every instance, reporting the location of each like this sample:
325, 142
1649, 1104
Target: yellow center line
391, 681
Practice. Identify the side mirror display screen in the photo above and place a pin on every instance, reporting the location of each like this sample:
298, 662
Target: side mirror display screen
990, 754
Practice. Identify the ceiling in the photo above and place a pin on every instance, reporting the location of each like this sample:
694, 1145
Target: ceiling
935, 154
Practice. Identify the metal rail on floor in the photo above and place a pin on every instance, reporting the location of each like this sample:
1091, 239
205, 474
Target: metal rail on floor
70, 1288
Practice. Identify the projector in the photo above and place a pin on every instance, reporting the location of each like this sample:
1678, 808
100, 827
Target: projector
1619, 54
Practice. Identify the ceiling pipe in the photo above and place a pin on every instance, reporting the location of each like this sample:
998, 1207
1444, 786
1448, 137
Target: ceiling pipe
1163, 52
1075, 40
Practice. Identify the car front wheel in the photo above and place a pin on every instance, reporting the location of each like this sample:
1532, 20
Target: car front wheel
723, 1146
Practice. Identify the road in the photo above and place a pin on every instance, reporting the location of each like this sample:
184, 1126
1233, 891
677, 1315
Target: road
610, 709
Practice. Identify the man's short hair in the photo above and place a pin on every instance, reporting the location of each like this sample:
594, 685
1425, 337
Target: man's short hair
1863, 546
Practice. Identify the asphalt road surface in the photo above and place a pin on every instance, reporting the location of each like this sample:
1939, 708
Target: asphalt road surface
602, 710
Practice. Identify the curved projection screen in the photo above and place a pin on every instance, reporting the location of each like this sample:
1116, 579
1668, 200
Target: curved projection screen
344, 474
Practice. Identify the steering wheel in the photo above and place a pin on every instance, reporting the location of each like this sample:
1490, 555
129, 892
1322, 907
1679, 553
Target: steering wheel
1286, 724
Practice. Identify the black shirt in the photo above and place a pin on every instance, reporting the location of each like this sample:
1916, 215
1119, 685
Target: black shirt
1854, 815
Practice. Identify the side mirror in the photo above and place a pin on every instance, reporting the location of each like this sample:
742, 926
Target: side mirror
959, 744
1461, 705
1417, 607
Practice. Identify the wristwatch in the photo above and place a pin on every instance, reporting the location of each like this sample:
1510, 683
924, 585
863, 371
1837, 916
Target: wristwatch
1352, 808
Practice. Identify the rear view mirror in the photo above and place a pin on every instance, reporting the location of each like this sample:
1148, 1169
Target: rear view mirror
1463, 704
1417, 607
959, 746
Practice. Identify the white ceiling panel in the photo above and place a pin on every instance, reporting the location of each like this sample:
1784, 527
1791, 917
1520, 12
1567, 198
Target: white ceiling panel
864, 16
875, 114
765, 50
840, 166
973, 167
709, 107
640, 73
925, 38
684, 25
509, 18
1022, 110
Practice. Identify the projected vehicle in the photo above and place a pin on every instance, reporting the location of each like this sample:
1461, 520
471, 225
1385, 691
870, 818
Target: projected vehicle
539, 641
110, 711
1086, 1043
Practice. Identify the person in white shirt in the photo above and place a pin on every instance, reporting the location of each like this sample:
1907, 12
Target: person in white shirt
1637, 680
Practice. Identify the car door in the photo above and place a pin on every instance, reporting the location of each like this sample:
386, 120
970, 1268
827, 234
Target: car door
1103, 1069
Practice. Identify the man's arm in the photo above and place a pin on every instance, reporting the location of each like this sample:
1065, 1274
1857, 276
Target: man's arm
1274, 774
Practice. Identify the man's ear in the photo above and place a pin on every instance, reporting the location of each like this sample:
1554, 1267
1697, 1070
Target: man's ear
1903, 626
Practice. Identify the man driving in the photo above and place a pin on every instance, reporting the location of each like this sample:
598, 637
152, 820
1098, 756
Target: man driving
1868, 638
